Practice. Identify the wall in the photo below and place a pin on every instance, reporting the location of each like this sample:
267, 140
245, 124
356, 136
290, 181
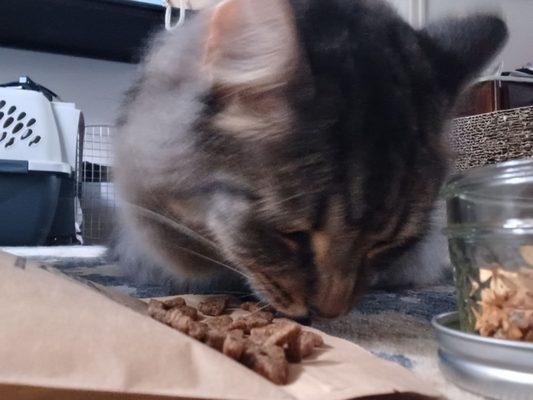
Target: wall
518, 14
95, 86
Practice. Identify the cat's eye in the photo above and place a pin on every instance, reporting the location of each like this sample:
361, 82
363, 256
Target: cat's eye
297, 239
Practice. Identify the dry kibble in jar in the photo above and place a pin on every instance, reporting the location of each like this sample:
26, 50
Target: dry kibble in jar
214, 306
505, 310
527, 254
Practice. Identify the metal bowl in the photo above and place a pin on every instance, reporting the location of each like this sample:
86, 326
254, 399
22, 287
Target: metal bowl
498, 369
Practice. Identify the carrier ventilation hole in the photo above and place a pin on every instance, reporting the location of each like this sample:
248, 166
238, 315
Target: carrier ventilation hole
18, 127
10, 142
11, 110
35, 140
21, 116
31, 122
8, 122
2, 104
4, 134
26, 135
1, 115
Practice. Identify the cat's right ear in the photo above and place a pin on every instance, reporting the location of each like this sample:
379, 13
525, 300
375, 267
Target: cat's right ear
251, 44
459, 48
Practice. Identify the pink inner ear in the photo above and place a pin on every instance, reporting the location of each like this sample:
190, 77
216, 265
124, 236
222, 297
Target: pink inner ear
251, 42
224, 19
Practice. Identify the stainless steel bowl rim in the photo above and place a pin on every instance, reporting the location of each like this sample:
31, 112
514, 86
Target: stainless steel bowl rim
438, 323
473, 230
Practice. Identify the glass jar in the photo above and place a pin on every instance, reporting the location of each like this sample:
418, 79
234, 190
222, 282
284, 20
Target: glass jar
490, 235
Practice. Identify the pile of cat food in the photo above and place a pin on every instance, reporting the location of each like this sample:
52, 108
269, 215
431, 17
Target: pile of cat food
257, 340
506, 305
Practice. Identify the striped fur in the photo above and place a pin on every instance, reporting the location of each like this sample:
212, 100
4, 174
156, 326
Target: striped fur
301, 140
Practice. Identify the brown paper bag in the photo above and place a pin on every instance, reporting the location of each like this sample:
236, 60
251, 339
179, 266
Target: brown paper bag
63, 339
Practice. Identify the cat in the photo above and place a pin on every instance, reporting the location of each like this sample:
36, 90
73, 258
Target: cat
294, 147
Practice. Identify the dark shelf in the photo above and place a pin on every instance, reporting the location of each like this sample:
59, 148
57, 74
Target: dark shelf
106, 29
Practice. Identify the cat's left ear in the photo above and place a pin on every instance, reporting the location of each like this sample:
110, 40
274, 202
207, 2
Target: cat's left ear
460, 48
251, 44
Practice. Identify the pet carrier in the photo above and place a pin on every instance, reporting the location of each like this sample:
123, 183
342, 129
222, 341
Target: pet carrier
38, 136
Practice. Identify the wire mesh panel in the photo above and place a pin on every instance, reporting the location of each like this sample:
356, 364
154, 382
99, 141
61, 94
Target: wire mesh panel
96, 189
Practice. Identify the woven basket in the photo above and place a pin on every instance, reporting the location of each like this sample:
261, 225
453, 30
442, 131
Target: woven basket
492, 138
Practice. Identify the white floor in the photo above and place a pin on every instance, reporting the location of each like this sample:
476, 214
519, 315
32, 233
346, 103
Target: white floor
57, 251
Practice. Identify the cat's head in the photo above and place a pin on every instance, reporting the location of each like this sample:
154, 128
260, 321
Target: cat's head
330, 113
348, 103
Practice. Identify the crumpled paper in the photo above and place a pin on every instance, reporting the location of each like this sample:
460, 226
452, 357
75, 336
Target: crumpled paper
65, 339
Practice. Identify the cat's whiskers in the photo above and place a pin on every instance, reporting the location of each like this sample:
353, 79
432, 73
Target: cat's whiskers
211, 260
261, 308
173, 224
187, 231
241, 294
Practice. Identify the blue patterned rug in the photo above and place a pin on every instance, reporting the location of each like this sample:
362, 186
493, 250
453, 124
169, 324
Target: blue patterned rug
393, 325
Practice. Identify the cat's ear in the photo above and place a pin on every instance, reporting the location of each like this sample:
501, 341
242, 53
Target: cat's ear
251, 44
460, 48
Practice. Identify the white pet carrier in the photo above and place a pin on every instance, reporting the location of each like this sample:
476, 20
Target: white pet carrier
38, 137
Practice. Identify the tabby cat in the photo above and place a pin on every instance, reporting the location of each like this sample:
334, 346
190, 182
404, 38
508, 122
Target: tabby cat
293, 146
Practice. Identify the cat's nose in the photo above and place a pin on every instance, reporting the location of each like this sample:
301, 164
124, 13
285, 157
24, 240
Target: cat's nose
333, 296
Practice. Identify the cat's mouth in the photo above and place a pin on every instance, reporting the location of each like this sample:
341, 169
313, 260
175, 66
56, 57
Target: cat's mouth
333, 298
287, 295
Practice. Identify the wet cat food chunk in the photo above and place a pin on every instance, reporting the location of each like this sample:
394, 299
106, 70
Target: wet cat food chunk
175, 302
216, 339
156, 310
214, 306
255, 340
279, 333
173, 313
268, 361
254, 320
221, 323
180, 322
198, 331
283, 334
234, 344
303, 346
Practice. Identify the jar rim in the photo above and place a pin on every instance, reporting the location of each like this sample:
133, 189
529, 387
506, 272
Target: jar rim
463, 181
479, 230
